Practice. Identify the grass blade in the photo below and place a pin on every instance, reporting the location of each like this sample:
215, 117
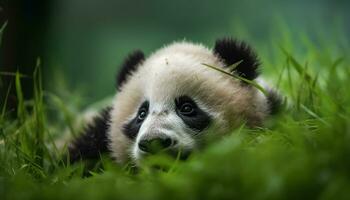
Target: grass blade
253, 83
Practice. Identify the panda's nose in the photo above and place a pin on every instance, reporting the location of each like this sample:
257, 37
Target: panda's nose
155, 145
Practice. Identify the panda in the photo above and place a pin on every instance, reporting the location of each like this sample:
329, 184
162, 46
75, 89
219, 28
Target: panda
171, 102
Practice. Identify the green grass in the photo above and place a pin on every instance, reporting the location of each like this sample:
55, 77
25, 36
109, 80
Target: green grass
303, 153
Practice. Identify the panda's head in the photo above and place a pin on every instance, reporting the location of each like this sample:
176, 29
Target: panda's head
171, 102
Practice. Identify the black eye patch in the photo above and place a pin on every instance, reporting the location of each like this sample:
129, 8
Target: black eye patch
194, 117
132, 128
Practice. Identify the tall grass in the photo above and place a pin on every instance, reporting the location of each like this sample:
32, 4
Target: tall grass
303, 153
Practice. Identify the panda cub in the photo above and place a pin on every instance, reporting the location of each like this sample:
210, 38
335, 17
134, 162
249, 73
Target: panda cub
171, 102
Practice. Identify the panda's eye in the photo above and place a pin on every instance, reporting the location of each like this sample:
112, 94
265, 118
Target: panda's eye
142, 114
186, 106
191, 114
186, 109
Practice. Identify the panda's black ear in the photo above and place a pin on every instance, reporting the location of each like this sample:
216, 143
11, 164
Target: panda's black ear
231, 51
129, 65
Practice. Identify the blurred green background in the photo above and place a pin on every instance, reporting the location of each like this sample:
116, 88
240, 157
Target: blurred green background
81, 43
303, 153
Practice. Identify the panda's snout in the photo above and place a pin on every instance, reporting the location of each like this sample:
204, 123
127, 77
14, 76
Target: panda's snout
156, 144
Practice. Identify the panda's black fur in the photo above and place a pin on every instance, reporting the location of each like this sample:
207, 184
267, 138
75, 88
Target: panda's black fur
94, 139
129, 65
232, 51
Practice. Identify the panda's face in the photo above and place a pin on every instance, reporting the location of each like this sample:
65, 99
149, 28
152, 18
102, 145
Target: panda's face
173, 113
170, 126
172, 102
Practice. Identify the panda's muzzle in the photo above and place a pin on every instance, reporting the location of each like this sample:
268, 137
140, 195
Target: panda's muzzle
157, 144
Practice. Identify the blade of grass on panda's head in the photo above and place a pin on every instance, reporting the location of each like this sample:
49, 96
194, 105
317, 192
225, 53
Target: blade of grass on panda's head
234, 66
253, 83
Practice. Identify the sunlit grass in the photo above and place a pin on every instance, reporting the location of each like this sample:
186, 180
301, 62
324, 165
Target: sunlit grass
302, 153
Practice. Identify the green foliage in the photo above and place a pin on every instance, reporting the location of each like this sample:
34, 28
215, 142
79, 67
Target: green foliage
303, 153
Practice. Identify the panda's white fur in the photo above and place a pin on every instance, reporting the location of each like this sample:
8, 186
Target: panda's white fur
173, 71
